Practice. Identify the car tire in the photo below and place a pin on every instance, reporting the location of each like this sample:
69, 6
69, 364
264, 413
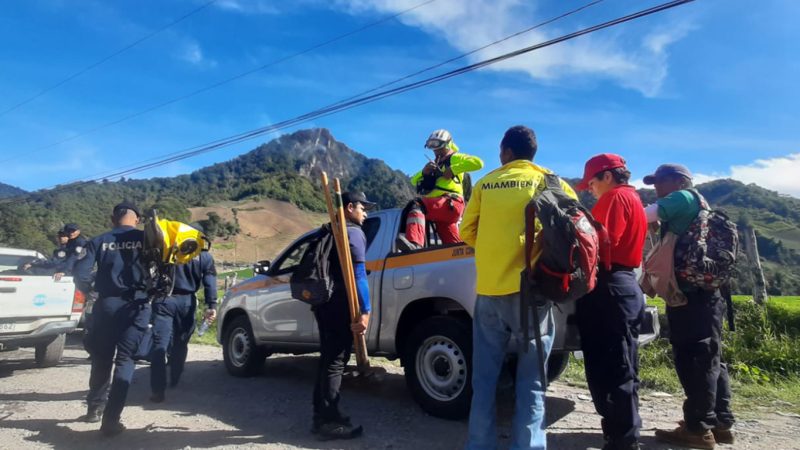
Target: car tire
243, 357
49, 353
556, 365
438, 366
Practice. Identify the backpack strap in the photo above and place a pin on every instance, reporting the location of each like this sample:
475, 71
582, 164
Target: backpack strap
700, 199
531, 211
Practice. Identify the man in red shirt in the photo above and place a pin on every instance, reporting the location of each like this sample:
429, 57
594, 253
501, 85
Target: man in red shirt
609, 317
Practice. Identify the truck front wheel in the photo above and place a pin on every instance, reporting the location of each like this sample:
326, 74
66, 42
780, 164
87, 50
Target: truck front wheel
438, 366
243, 357
49, 353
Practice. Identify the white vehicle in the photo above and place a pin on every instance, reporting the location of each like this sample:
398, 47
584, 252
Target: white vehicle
37, 310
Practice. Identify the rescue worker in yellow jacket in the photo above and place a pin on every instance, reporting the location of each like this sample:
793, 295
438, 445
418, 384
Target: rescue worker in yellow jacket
494, 225
440, 185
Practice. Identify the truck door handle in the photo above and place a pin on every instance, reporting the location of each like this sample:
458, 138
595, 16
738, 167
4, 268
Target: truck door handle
8, 290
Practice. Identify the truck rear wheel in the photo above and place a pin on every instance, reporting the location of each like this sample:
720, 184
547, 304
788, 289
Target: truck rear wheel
243, 357
49, 353
438, 366
556, 365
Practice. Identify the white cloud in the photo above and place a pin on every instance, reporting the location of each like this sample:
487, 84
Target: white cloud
778, 174
248, 6
192, 53
634, 62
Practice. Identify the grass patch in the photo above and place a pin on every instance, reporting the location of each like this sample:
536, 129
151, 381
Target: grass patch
241, 274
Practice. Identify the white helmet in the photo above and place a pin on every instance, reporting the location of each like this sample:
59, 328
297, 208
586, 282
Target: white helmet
438, 139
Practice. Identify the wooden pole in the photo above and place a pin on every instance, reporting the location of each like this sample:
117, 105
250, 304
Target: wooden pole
339, 229
751, 249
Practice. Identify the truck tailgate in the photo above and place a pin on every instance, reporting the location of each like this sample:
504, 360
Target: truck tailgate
35, 296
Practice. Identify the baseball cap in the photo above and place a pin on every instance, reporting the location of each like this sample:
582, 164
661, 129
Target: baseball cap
357, 197
70, 227
127, 204
597, 164
668, 170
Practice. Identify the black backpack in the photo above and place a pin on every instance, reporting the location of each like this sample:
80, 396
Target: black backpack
312, 281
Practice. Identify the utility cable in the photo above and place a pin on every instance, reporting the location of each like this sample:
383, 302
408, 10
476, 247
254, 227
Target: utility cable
342, 106
225, 81
105, 59
427, 69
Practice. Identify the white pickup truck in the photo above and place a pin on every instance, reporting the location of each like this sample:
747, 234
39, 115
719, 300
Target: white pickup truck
35, 310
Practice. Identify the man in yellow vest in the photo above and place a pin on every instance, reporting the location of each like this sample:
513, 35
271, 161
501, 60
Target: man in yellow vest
494, 225
440, 185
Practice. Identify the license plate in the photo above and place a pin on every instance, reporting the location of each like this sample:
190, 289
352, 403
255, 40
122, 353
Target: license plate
7, 326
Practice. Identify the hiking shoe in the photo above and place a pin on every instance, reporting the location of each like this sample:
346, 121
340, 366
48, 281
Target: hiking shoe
722, 433
332, 430
112, 429
93, 415
157, 397
682, 436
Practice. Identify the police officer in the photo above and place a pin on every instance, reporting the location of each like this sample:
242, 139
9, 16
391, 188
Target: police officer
55, 263
173, 320
121, 314
75, 248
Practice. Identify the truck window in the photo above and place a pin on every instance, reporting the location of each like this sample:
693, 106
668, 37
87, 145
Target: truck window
370, 228
291, 259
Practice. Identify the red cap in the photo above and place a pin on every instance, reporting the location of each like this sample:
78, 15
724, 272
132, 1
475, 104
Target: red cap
597, 164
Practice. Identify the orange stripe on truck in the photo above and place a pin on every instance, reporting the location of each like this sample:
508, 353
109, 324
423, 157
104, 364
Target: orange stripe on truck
430, 256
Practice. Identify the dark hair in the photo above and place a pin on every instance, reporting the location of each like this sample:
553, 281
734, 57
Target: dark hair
521, 141
621, 175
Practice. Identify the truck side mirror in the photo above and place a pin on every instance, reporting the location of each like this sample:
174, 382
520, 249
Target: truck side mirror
262, 267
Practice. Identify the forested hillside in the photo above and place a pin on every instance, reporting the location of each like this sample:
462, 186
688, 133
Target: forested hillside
284, 169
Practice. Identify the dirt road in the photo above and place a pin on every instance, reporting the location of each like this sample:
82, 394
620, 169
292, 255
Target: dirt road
211, 409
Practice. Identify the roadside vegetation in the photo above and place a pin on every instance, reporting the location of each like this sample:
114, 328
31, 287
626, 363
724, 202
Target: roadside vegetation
763, 356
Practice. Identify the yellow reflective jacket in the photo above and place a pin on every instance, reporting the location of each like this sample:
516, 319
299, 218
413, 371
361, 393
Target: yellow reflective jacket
459, 164
494, 223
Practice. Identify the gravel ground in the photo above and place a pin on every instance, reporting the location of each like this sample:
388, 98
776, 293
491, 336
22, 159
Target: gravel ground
211, 409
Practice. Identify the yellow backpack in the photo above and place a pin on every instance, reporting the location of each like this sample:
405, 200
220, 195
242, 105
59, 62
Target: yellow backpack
168, 243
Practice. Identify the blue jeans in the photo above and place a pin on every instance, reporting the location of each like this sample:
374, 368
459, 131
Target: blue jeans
496, 319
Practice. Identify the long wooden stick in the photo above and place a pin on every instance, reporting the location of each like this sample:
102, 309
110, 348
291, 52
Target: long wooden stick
339, 229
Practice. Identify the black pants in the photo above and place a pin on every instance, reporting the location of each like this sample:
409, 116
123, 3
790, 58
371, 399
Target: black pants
609, 319
173, 324
336, 342
117, 329
696, 337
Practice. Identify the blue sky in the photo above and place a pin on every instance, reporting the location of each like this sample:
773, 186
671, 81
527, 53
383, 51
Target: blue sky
711, 84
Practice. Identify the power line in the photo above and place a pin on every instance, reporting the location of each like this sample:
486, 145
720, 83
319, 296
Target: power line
343, 106
419, 72
105, 59
225, 81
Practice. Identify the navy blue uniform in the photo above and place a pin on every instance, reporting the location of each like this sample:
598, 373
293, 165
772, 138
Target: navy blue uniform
120, 315
335, 335
51, 265
75, 251
173, 319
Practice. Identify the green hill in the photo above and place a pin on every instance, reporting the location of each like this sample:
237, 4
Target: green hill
284, 169
6, 191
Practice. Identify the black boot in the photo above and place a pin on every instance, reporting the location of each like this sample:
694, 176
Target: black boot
112, 428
